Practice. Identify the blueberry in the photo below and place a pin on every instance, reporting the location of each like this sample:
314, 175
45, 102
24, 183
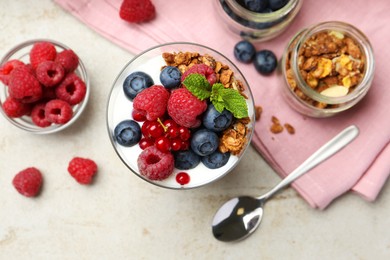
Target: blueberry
265, 62
215, 160
185, 160
216, 121
277, 4
170, 77
204, 142
135, 83
244, 51
127, 133
256, 5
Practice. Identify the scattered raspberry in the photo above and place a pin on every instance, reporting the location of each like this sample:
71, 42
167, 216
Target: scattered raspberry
152, 102
137, 11
14, 108
38, 115
24, 86
154, 164
82, 169
72, 89
42, 51
49, 73
28, 182
203, 69
184, 108
7, 68
68, 59
58, 111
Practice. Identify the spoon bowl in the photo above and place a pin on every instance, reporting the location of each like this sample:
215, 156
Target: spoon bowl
240, 216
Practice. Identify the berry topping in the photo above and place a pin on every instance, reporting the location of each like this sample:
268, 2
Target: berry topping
216, 121
204, 142
68, 60
127, 133
72, 89
42, 51
7, 68
215, 160
185, 160
265, 62
38, 115
154, 164
202, 69
170, 77
185, 108
183, 178
152, 102
24, 86
135, 83
244, 51
28, 182
82, 169
49, 73
14, 108
58, 111
137, 11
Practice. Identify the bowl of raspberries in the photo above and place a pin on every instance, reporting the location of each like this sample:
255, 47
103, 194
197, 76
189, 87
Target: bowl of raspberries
180, 115
44, 86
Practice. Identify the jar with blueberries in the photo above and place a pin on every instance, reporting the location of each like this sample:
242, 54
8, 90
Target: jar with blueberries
327, 68
257, 20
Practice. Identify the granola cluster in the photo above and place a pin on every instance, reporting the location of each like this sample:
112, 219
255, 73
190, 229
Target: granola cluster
331, 63
234, 138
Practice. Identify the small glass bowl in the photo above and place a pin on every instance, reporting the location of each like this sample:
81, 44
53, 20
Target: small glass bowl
253, 26
307, 96
120, 108
21, 52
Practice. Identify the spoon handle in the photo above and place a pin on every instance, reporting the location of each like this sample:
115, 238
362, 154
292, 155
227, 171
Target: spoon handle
327, 150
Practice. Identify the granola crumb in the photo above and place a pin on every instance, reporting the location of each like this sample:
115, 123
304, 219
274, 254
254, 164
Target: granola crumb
258, 111
290, 129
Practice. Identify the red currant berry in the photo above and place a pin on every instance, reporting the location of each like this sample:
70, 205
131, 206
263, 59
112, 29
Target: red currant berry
184, 133
169, 122
183, 178
138, 115
155, 129
176, 144
145, 142
185, 145
173, 132
163, 144
145, 128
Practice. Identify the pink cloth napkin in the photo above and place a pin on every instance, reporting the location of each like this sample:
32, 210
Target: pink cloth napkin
362, 167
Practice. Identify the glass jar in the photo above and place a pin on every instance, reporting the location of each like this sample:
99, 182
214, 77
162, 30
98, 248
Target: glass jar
254, 26
327, 68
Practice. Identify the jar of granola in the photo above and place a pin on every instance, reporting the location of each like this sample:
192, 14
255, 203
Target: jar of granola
327, 68
256, 26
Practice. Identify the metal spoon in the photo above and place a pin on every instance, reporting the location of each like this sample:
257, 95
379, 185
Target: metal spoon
240, 216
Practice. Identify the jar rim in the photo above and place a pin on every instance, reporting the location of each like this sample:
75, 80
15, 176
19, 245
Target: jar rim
364, 44
263, 17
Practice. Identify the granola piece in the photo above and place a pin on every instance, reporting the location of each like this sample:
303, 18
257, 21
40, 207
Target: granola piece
233, 139
290, 129
276, 127
258, 111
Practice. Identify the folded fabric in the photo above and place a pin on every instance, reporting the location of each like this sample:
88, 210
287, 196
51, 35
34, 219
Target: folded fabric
362, 167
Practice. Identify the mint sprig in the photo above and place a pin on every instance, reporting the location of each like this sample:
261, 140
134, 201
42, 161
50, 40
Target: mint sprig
220, 97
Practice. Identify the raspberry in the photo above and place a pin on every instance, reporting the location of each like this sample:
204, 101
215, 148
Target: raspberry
154, 164
49, 73
82, 169
72, 89
137, 11
38, 115
28, 182
23, 85
184, 108
42, 51
68, 59
152, 102
58, 111
203, 69
14, 108
7, 68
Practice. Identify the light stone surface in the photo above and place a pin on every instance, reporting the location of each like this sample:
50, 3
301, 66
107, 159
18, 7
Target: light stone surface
122, 217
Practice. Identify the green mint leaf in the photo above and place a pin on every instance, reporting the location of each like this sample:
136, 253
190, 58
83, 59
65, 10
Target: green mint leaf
230, 99
198, 85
